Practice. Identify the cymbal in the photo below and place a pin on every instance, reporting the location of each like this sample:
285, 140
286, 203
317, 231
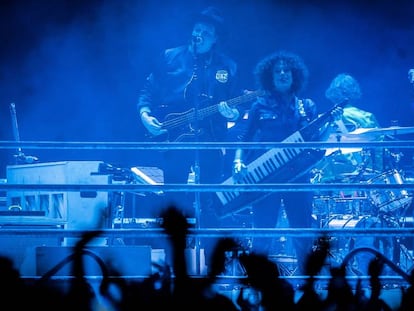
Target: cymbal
365, 135
359, 135
364, 174
339, 137
330, 151
376, 132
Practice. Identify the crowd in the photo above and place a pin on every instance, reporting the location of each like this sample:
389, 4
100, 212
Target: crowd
171, 287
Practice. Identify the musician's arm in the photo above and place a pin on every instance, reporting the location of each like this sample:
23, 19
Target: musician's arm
239, 168
238, 155
331, 127
145, 102
151, 123
144, 110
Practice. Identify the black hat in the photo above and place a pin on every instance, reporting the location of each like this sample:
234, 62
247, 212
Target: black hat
213, 16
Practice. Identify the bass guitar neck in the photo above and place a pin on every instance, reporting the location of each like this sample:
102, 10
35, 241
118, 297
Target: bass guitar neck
179, 125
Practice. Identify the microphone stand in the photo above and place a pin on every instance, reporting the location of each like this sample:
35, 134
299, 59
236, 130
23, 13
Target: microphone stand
196, 166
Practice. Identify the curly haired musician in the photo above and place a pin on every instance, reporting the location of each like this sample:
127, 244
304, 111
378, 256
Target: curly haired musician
185, 100
345, 87
272, 118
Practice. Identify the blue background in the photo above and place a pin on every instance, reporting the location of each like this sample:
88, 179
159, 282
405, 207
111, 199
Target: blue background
74, 68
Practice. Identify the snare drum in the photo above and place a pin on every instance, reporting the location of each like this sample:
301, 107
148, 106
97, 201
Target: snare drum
389, 201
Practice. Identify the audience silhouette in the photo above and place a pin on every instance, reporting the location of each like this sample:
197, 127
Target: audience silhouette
261, 288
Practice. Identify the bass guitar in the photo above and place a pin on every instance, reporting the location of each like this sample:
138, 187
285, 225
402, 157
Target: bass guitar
178, 125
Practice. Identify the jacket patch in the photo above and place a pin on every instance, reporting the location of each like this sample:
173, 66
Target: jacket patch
222, 76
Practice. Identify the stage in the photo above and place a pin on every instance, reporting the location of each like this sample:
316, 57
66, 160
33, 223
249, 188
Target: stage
47, 207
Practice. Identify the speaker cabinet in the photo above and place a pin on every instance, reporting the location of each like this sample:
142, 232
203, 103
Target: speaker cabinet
21, 249
125, 260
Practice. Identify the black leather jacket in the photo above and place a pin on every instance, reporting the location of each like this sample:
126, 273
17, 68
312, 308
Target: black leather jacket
270, 122
182, 82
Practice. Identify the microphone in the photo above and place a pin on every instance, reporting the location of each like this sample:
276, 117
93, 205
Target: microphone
411, 76
197, 40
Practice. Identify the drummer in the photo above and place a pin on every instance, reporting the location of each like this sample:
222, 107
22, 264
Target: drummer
350, 161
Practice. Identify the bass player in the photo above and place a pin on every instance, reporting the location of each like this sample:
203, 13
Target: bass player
185, 99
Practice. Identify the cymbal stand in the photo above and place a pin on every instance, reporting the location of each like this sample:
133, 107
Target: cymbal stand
118, 213
393, 159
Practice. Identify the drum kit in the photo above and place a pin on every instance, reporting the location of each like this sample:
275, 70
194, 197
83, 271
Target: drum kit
356, 209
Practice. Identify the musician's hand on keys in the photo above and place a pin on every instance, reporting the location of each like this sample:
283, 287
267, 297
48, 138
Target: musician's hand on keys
239, 170
152, 124
229, 113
